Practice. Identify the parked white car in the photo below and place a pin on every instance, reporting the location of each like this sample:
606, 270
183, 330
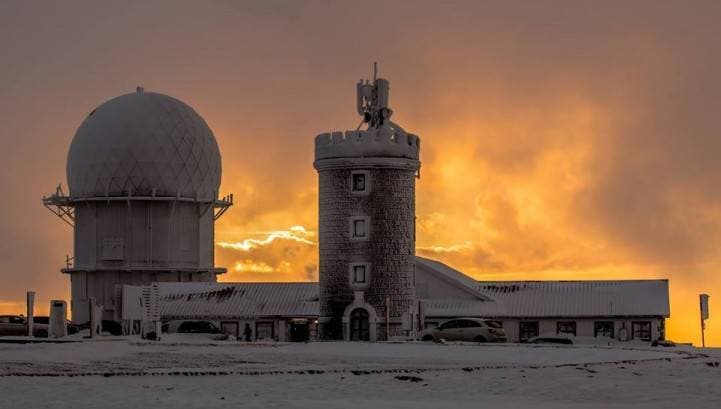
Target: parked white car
465, 329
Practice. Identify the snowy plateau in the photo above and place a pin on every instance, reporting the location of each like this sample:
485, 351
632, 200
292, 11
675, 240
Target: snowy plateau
193, 371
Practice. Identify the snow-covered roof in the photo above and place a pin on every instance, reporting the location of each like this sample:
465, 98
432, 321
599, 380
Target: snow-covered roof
237, 300
580, 298
547, 298
449, 308
506, 299
451, 276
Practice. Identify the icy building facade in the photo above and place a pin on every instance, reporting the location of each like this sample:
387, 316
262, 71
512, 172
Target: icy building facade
367, 224
143, 172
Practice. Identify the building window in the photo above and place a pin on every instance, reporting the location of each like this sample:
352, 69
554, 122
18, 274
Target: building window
230, 328
641, 330
566, 328
359, 227
603, 329
527, 330
264, 330
359, 274
360, 182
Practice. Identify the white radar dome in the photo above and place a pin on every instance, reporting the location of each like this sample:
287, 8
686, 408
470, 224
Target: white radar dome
143, 143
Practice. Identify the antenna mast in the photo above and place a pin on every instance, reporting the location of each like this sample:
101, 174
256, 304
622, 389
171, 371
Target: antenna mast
372, 102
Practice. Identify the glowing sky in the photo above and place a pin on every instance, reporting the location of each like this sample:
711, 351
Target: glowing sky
560, 140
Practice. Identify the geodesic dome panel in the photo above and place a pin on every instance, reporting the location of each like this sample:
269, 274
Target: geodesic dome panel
140, 142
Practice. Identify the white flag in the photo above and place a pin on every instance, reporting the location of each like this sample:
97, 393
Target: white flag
704, 305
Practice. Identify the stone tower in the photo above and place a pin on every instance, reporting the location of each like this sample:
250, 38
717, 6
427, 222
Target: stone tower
367, 224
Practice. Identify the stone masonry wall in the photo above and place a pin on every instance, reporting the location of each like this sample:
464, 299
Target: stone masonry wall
390, 248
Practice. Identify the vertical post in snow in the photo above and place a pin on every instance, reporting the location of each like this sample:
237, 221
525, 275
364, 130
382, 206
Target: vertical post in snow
703, 309
703, 325
30, 312
388, 318
93, 318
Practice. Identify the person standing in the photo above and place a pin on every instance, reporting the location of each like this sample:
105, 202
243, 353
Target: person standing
247, 332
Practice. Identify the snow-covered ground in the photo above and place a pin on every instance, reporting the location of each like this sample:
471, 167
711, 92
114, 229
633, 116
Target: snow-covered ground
192, 371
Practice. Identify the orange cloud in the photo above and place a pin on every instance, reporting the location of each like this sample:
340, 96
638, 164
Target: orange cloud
278, 255
251, 266
294, 233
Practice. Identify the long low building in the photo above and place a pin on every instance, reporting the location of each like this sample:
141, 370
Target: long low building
620, 309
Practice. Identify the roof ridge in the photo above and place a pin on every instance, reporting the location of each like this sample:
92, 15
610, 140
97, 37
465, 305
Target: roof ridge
644, 280
453, 276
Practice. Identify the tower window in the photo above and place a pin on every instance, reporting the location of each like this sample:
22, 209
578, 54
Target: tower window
360, 182
359, 275
359, 227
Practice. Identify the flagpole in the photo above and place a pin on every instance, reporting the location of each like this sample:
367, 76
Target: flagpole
703, 326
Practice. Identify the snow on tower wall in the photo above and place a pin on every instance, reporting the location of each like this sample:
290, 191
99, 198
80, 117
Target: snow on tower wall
381, 142
389, 160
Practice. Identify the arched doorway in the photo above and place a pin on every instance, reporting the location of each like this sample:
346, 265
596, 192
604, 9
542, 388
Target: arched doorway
359, 325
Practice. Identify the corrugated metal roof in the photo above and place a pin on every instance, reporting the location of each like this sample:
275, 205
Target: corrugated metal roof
498, 299
552, 298
580, 298
448, 308
237, 300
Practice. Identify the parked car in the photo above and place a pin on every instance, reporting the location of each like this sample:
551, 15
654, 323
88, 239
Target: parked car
111, 327
198, 327
663, 343
17, 325
548, 339
466, 329
44, 320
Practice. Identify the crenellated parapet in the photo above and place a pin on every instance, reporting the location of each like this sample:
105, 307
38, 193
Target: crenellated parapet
374, 142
